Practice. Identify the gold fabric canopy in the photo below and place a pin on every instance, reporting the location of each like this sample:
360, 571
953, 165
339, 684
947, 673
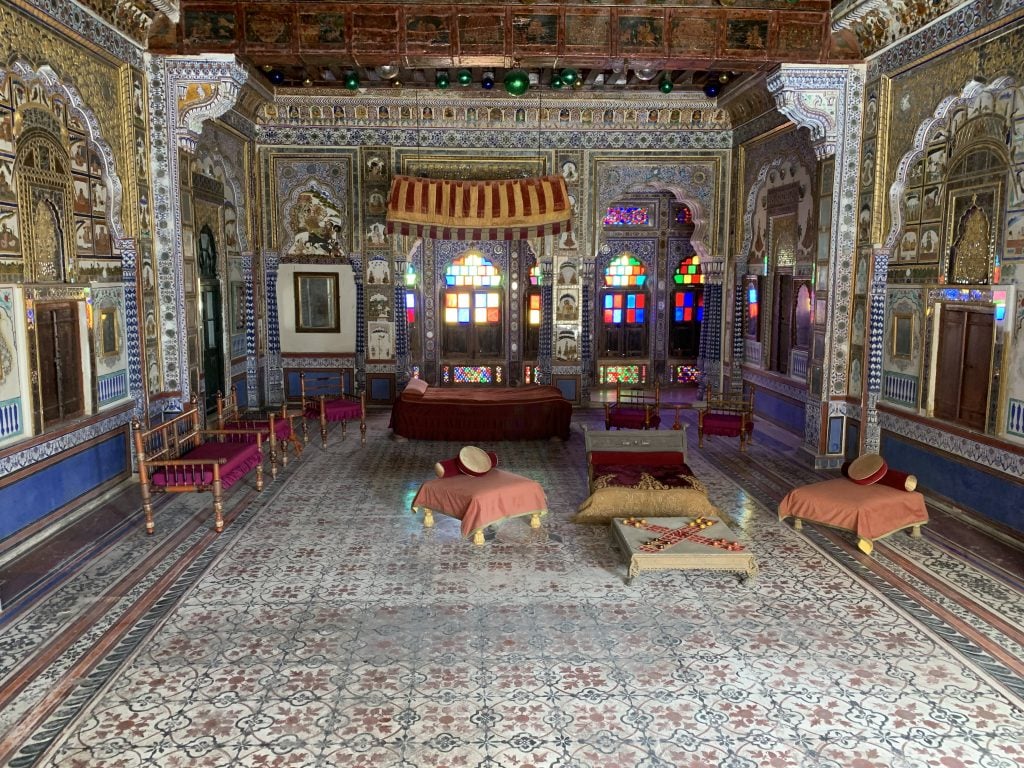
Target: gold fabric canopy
479, 210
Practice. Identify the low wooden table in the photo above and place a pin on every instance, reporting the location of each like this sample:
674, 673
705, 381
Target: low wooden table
691, 552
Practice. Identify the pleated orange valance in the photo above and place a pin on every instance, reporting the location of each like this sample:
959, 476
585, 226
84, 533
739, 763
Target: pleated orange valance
479, 210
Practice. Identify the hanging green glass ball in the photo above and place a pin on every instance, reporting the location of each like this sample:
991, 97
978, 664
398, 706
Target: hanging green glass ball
556, 82
441, 79
517, 82
570, 76
665, 86
464, 76
352, 81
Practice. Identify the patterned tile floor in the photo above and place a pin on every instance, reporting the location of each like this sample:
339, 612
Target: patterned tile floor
326, 627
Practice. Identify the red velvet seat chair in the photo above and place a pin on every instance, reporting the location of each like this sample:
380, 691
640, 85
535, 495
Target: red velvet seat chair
728, 416
323, 400
633, 408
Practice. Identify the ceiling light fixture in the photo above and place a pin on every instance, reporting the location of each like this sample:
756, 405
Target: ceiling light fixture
646, 73
388, 71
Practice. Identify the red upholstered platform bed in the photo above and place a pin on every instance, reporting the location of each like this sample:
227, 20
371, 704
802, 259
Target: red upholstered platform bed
531, 412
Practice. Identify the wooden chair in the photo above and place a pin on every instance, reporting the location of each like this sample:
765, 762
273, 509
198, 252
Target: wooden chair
323, 400
633, 408
277, 424
730, 415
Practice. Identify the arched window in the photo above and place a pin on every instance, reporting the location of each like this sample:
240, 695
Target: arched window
624, 304
687, 308
532, 314
472, 301
410, 282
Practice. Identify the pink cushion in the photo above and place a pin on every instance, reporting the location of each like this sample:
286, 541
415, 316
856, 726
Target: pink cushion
632, 418
416, 386
240, 458
724, 424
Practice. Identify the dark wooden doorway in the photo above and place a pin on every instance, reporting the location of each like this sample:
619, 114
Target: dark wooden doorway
59, 356
963, 372
213, 344
782, 321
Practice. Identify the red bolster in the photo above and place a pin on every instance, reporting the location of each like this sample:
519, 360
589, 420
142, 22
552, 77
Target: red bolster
450, 467
901, 481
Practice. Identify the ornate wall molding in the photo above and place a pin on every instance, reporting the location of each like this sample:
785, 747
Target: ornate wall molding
96, 29
810, 97
184, 91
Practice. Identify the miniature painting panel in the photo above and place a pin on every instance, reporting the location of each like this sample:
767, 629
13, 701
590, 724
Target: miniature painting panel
481, 33
801, 40
209, 28
1015, 235
930, 208
746, 35
108, 335
267, 28
237, 307
380, 340
928, 243
640, 34
316, 304
585, 32
373, 32
10, 237
79, 153
378, 304
535, 30
902, 336
692, 34
322, 30
83, 236
427, 32
6, 131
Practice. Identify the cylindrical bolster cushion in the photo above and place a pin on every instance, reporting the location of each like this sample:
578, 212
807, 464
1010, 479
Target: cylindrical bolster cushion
450, 467
901, 481
867, 469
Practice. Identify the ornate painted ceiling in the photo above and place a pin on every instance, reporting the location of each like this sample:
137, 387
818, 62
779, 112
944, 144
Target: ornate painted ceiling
611, 44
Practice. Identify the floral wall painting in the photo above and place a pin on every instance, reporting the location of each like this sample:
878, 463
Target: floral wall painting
317, 225
378, 272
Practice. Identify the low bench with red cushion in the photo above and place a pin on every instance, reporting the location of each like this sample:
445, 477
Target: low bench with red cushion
276, 427
633, 408
728, 417
323, 401
177, 456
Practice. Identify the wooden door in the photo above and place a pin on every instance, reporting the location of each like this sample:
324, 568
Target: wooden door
782, 340
963, 373
60, 365
977, 371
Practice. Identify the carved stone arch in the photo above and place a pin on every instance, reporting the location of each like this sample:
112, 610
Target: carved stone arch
693, 182
922, 136
42, 176
232, 182
760, 185
697, 208
50, 81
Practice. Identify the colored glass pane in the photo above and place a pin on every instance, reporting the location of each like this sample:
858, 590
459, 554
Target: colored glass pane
684, 215
627, 216
625, 270
472, 270
410, 275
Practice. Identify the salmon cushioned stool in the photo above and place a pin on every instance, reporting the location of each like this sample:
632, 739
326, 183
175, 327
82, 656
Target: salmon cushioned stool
481, 500
870, 511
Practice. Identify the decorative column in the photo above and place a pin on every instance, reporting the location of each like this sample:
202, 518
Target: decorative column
827, 101
251, 352
274, 374
185, 92
870, 431
547, 321
403, 368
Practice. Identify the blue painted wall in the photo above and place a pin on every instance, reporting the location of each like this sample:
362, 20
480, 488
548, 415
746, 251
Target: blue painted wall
998, 498
50, 488
787, 413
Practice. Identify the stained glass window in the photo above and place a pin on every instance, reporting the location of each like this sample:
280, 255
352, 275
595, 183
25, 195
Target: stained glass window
689, 272
689, 307
624, 308
411, 278
686, 374
624, 271
410, 307
477, 307
535, 274
533, 313
627, 216
684, 215
472, 270
627, 374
